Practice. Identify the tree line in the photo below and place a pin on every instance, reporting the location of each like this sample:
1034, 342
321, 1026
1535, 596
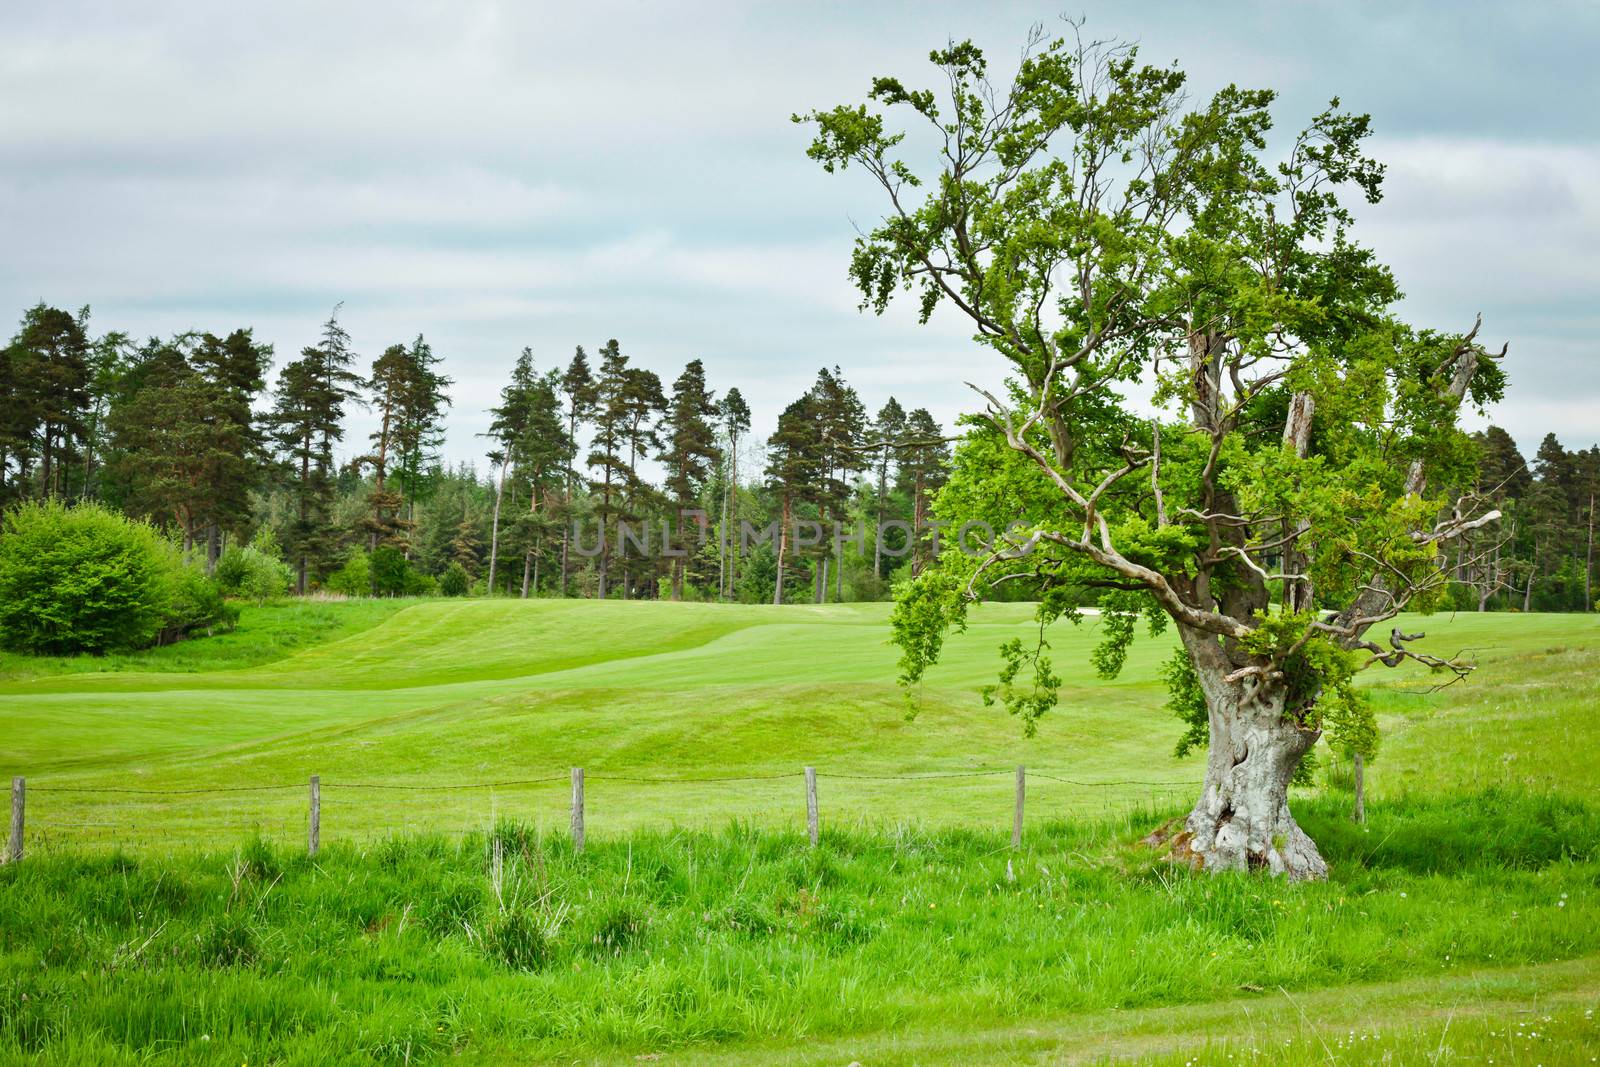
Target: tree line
1541, 555
602, 480
185, 432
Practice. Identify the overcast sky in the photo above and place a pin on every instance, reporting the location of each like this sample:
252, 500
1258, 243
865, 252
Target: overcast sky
497, 175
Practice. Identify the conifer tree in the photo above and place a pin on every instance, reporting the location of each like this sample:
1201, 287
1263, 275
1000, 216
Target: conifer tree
887, 430
579, 388
795, 465
542, 458
307, 418
924, 468
507, 428
388, 383
691, 454
841, 428
612, 419
419, 426
735, 424
184, 445
46, 372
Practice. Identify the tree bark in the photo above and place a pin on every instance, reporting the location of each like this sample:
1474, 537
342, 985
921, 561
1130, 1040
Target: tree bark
1527, 593
1242, 821
494, 526
783, 545
1588, 561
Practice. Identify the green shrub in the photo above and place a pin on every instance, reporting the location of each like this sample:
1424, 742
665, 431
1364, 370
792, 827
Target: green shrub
354, 577
194, 602
389, 571
454, 581
255, 571
82, 579
86, 579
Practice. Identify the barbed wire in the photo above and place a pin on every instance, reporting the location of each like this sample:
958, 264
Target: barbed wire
1149, 785
47, 787
453, 786
592, 777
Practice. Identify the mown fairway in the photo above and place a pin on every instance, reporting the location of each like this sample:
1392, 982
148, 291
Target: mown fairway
1462, 924
432, 700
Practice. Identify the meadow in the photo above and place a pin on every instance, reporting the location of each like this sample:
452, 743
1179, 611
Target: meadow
152, 925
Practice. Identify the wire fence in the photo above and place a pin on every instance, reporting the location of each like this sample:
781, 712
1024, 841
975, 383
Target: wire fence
47, 815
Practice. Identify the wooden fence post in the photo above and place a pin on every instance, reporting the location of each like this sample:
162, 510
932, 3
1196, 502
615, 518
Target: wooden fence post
314, 826
811, 804
19, 797
577, 809
1016, 822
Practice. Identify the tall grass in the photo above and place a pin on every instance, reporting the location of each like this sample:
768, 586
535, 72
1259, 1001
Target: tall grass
504, 941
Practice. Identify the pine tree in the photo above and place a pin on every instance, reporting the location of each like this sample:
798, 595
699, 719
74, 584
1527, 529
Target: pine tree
691, 454
612, 419
183, 441
924, 468
507, 428
389, 382
646, 404
578, 386
306, 419
795, 466
887, 430
466, 548
735, 424
542, 457
109, 359
841, 428
46, 372
419, 428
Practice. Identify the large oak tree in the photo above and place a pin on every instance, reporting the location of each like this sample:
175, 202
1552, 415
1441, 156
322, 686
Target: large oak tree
1101, 231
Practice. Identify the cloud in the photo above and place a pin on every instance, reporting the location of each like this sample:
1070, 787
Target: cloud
507, 174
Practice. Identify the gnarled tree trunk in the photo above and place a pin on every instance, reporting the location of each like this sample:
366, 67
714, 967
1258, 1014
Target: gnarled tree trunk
1242, 821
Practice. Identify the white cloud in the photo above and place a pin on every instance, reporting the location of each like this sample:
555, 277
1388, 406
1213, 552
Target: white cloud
500, 174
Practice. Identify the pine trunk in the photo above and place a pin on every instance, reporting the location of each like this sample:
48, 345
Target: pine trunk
783, 545
1588, 561
1242, 821
494, 528
1527, 593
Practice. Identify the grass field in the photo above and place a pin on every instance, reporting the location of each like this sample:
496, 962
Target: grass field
438, 696
148, 926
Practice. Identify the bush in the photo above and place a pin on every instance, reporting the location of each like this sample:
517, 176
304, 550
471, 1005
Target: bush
81, 579
354, 577
86, 579
389, 571
255, 571
194, 602
454, 581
